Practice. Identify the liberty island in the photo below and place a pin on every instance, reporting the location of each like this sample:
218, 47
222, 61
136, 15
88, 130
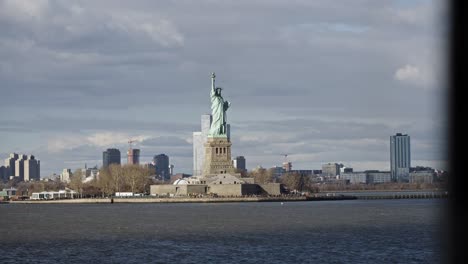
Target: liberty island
219, 176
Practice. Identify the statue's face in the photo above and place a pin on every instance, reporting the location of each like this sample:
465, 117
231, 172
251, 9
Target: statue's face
218, 91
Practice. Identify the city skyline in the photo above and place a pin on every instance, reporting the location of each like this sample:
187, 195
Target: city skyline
323, 82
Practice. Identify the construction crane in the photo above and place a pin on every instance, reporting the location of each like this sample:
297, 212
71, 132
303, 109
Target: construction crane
130, 141
285, 157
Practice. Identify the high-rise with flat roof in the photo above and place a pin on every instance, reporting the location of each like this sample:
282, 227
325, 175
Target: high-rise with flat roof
239, 163
199, 140
10, 165
32, 169
19, 167
3, 173
161, 162
400, 157
110, 156
133, 156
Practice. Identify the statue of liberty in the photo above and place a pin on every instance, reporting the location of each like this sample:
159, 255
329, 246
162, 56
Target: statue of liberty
218, 111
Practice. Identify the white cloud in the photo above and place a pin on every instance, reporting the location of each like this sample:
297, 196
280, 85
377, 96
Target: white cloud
64, 143
100, 139
408, 73
161, 31
24, 9
415, 75
111, 138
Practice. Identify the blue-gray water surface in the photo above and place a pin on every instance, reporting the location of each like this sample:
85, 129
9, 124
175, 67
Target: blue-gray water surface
357, 231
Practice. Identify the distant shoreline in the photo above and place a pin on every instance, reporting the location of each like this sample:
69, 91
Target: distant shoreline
164, 200
331, 196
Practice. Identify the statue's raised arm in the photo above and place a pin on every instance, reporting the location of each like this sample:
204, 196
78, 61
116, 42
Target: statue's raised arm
213, 76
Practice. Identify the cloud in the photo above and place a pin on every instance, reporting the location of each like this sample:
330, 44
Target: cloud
408, 73
165, 141
64, 143
111, 138
99, 139
24, 9
59, 25
415, 75
313, 78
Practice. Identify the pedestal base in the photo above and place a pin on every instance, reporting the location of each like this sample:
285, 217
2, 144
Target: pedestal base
218, 157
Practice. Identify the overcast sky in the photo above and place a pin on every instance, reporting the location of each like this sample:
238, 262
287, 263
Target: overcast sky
322, 81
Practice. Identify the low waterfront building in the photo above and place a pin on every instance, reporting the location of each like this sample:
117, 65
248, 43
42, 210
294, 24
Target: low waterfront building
51, 195
356, 177
422, 177
377, 177
330, 170
10, 192
220, 185
124, 194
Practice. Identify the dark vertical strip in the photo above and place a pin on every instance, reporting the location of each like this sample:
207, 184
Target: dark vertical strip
456, 223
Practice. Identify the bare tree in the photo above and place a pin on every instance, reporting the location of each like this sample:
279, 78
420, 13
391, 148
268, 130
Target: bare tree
135, 177
106, 182
117, 176
76, 182
261, 175
299, 182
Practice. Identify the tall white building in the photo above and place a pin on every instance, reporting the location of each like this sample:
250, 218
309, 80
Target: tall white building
32, 169
199, 140
19, 167
65, 175
10, 165
400, 157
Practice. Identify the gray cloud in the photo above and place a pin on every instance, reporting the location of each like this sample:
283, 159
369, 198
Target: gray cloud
314, 78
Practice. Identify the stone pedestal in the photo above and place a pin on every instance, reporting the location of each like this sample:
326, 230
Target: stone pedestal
218, 157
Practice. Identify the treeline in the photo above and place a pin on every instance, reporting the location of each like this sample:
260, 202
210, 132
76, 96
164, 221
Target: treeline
112, 179
115, 178
304, 183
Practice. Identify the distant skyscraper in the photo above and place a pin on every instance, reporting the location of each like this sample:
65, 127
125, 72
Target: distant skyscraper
110, 156
133, 156
171, 170
19, 167
10, 164
3, 173
239, 163
32, 169
199, 140
400, 157
161, 162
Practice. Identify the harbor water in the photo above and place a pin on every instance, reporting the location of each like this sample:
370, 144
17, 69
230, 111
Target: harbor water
353, 231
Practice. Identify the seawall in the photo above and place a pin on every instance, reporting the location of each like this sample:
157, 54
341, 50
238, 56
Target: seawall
164, 200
